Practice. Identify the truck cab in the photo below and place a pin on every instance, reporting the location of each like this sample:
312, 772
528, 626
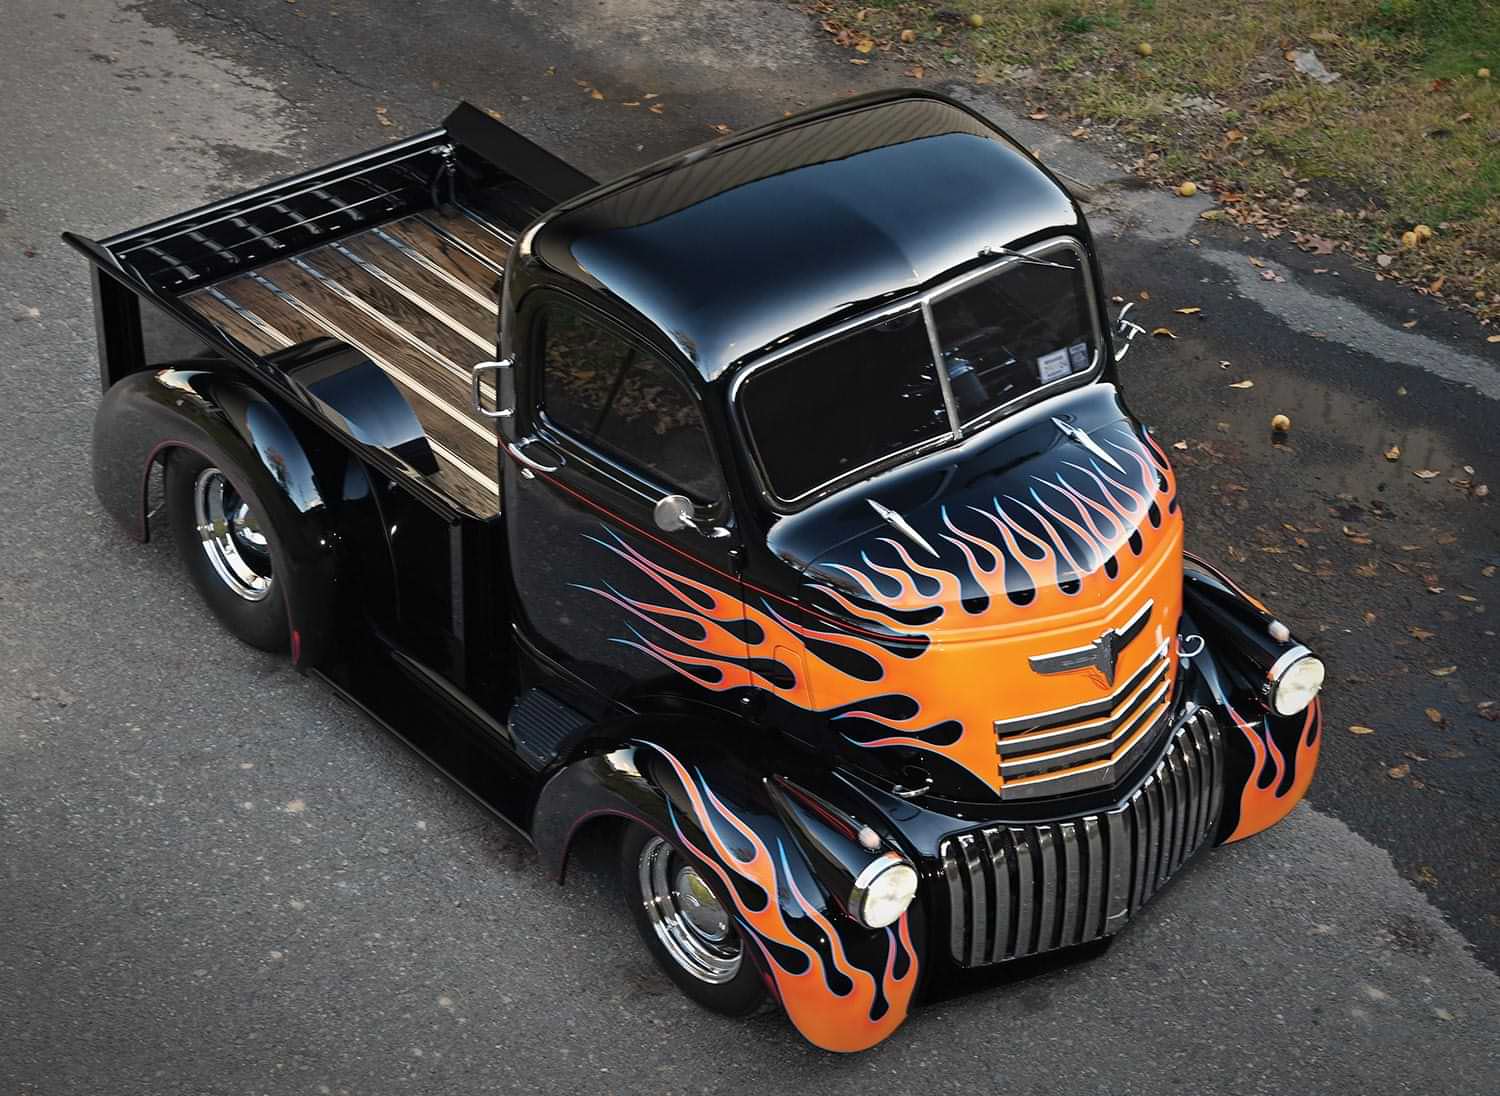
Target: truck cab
776, 504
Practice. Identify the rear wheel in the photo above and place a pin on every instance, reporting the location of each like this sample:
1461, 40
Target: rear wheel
686, 927
229, 551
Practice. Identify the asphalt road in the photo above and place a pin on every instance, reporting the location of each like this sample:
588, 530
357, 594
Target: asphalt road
216, 878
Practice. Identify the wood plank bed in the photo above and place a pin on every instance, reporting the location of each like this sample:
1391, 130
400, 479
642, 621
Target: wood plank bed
419, 296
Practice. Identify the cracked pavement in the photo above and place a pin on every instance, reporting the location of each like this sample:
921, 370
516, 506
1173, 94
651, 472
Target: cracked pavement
215, 877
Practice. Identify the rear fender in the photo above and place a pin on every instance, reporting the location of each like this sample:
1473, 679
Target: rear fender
144, 416
845, 987
1270, 758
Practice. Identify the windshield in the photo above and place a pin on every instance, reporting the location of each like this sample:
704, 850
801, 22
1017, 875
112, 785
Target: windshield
1025, 326
867, 397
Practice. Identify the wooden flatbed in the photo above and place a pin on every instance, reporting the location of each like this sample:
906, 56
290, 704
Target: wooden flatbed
419, 296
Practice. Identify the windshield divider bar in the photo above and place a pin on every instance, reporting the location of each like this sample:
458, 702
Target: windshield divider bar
949, 403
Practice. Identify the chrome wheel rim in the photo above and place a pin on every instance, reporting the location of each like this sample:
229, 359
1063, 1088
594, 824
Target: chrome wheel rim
231, 537
688, 919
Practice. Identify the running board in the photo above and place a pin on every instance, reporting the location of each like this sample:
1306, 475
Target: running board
541, 725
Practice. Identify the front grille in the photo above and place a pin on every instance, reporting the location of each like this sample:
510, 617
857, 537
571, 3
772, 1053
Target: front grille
1088, 745
1019, 890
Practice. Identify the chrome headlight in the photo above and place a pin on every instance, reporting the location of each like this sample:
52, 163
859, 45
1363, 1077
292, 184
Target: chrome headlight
1295, 681
883, 891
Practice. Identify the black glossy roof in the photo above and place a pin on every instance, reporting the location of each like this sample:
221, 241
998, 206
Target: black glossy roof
735, 245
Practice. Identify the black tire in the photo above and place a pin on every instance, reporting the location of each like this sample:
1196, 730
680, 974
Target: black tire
739, 994
257, 617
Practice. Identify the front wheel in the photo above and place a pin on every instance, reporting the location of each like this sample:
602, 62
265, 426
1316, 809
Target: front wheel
229, 551
686, 926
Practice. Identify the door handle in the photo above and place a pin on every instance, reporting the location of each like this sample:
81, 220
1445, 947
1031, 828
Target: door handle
476, 374
527, 464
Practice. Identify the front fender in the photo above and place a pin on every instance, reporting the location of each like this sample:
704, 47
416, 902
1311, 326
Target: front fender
144, 415
774, 851
1270, 758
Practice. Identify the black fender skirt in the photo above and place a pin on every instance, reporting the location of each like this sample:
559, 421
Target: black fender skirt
145, 415
782, 857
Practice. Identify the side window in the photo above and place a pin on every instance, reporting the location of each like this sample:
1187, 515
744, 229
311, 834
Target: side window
610, 394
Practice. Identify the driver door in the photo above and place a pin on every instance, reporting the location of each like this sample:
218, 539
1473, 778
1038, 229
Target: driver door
608, 602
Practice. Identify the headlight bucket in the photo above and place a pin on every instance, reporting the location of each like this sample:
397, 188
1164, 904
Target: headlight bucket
1294, 681
883, 891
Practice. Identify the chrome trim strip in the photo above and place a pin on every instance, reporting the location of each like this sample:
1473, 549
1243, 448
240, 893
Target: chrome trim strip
1087, 710
468, 249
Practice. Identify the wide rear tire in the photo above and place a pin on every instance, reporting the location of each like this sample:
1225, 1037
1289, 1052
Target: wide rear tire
230, 553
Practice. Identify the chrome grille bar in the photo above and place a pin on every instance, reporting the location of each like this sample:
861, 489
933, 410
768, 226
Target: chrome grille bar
1084, 746
1017, 890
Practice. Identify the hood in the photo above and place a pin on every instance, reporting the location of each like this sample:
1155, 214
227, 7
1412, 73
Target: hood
1012, 617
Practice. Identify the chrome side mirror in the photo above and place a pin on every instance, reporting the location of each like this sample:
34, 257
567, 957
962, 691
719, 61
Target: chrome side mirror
1127, 328
674, 513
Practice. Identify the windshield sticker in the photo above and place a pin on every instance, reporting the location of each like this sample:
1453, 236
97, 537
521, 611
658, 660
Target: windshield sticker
1078, 355
1052, 366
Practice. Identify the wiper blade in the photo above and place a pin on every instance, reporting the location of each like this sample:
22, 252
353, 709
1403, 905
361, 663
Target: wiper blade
1021, 256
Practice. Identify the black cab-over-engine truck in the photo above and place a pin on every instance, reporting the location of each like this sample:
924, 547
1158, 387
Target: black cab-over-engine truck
775, 504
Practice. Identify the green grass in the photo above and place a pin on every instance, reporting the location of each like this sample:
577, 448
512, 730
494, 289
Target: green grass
1409, 134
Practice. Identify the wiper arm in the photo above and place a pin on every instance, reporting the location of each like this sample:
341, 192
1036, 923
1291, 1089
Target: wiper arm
1021, 256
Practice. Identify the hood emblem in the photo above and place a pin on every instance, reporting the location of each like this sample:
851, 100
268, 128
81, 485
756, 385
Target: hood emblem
902, 526
1074, 433
1103, 654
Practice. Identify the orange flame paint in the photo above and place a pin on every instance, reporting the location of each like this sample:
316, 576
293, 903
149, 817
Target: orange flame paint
1069, 544
1262, 807
834, 1021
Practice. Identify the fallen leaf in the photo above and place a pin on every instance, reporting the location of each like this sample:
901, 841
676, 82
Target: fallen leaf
1393, 453
1396, 772
865, 45
1437, 286
595, 93
720, 128
656, 108
1360, 728
1420, 633
1368, 617
1493, 338
858, 61
1435, 717
916, 72
1383, 260
1409, 324
1443, 671
1243, 384
1189, 311
908, 36
1165, 332
1038, 115
1257, 262
1426, 473
1080, 134
1145, 295
1182, 445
